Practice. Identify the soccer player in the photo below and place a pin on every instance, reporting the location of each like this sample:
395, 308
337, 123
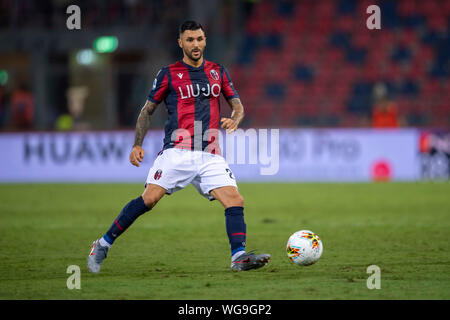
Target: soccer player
191, 89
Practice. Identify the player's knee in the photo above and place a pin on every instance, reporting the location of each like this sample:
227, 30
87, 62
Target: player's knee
151, 196
240, 201
236, 201
150, 200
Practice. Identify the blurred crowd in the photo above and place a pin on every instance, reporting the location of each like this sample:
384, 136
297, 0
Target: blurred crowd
295, 62
315, 63
50, 14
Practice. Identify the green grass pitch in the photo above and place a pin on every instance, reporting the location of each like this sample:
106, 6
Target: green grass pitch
180, 250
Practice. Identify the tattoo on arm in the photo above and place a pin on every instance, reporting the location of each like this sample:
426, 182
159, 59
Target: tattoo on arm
238, 110
143, 122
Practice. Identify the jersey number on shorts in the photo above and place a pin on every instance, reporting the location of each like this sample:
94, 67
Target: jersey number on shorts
230, 173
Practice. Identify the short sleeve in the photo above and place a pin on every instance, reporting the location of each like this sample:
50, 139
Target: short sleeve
160, 87
227, 85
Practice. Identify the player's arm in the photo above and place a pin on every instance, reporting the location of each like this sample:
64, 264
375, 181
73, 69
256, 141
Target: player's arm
237, 115
142, 126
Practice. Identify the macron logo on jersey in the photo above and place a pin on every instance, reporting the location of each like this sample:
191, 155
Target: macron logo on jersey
180, 75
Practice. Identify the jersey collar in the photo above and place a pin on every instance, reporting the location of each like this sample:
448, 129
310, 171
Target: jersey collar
193, 68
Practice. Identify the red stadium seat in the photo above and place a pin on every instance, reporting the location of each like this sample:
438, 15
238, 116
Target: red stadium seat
431, 88
345, 23
437, 22
429, 7
407, 37
407, 8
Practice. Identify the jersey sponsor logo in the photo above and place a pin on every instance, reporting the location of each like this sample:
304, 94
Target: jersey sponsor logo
214, 74
190, 91
154, 84
180, 75
158, 174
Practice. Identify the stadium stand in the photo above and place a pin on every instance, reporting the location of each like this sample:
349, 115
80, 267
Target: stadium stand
295, 63
315, 63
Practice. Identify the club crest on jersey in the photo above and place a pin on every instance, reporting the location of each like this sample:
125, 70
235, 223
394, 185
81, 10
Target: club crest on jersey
190, 91
158, 174
214, 74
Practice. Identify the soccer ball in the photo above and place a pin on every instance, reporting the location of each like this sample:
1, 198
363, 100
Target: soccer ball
304, 248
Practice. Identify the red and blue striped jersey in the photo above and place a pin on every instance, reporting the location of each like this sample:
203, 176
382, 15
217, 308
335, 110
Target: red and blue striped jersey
192, 98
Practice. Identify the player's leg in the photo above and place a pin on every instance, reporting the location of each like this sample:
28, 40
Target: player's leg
216, 181
132, 210
228, 196
168, 174
233, 203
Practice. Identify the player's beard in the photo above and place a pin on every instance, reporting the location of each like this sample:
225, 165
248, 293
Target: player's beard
191, 56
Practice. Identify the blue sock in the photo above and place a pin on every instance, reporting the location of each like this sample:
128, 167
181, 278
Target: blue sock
129, 214
236, 228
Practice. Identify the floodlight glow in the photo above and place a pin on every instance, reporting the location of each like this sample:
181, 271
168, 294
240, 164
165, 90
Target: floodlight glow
3, 77
106, 44
85, 56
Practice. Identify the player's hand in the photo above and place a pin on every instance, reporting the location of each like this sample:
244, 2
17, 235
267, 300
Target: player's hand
229, 124
136, 155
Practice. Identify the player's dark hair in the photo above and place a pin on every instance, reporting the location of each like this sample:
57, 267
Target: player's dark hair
190, 25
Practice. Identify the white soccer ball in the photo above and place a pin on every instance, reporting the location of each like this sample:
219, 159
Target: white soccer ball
304, 248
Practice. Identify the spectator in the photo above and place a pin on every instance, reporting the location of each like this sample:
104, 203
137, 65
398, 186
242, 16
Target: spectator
384, 114
22, 108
